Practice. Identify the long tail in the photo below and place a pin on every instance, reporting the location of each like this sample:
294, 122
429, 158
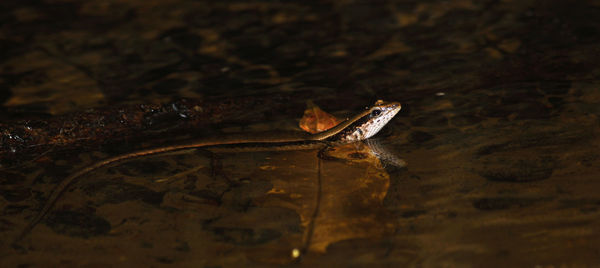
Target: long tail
60, 188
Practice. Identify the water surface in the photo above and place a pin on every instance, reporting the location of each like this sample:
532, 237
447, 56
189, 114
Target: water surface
498, 131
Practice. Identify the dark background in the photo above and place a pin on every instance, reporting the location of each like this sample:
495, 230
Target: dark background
498, 128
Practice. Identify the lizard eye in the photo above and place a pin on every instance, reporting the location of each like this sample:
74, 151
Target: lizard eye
376, 112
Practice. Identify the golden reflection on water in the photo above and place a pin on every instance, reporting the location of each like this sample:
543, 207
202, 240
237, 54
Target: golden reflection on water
343, 202
284, 205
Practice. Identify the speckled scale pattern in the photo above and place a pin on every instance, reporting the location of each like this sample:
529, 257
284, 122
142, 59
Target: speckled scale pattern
498, 129
371, 123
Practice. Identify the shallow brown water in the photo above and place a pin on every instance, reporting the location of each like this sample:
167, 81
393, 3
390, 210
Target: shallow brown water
499, 132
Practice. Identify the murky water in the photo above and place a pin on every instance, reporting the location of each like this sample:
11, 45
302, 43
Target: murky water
498, 133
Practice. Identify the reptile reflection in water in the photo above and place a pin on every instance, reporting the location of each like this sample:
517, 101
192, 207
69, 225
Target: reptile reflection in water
343, 201
360, 127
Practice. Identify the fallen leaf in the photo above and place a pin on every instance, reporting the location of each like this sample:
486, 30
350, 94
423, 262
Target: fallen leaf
316, 120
